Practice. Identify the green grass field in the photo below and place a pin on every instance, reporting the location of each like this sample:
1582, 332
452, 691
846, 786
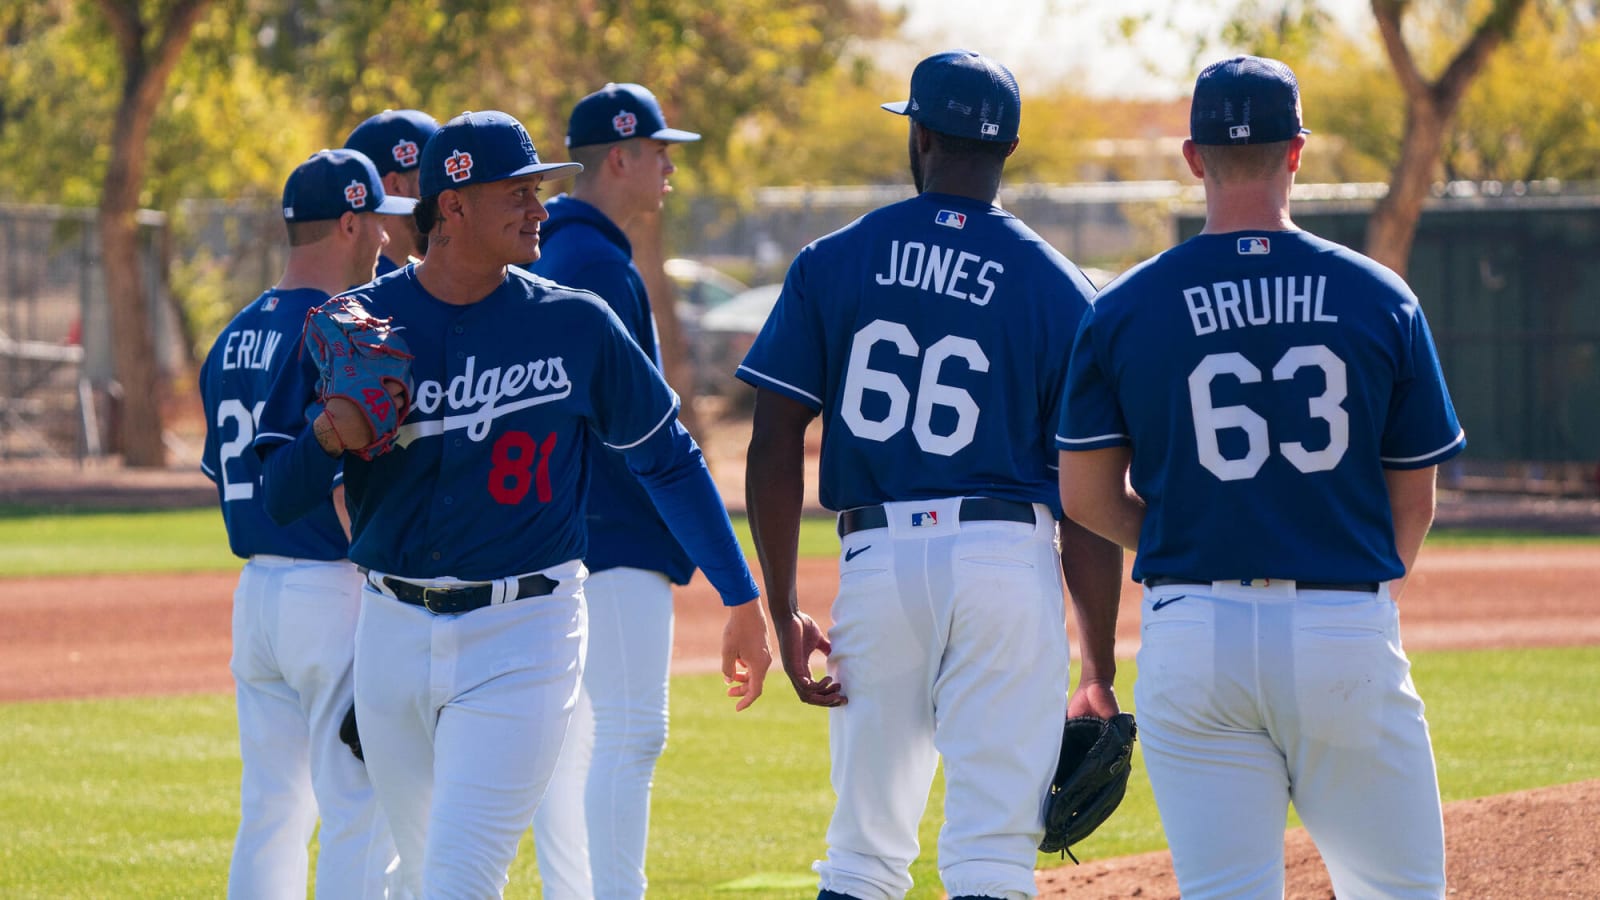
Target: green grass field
138, 797
193, 540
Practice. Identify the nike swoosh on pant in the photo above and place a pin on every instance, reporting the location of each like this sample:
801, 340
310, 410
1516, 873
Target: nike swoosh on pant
852, 554
1166, 601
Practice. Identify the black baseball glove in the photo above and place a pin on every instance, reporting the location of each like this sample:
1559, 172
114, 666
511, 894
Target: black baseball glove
1091, 778
348, 733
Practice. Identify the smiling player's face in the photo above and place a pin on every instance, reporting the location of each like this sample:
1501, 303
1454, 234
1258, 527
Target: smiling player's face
504, 219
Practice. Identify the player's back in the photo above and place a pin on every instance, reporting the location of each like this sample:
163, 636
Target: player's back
235, 381
933, 336
1266, 380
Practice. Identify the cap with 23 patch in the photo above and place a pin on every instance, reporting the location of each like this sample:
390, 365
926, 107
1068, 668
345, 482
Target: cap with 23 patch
333, 182
618, 112
393, 139
481, 147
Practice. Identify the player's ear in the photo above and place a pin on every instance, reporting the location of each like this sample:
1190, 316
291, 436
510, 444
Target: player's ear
1191, 155
350, 223
394, 185
1296, 144
451, 205
1012, 147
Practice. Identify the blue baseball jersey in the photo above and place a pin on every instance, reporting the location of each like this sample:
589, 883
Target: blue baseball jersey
932, 337
1264, 381
580, 247
489, 472
262, 340
385, 266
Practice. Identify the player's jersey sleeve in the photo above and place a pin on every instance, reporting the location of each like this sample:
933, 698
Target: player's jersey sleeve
1090, 418
298, 477
1421, 428
788, 355
629, 399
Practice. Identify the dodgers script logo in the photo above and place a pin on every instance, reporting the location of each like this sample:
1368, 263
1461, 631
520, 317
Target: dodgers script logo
949, 218
355, 193
625, 122
405, 153
1254, 246
459, 165
473, 399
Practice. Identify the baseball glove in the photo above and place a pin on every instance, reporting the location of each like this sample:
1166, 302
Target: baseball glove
1091, 778
348, 733
362, 359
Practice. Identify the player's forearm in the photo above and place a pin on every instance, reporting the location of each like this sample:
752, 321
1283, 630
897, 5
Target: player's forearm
295, 477
774, 497
1093, 569
1412, 501
687, 498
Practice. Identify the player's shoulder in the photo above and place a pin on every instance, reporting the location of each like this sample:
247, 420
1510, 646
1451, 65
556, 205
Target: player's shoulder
1358, 265
549, 294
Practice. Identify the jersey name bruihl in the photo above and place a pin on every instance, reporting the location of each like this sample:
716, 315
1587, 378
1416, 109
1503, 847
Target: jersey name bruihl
932, 335
235, 380
1265, 381
487, 477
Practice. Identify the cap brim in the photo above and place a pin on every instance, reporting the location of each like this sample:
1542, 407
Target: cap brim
898, 107
550, 171
395, 206
675, 136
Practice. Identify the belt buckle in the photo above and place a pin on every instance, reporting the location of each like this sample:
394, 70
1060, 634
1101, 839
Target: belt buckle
428, 594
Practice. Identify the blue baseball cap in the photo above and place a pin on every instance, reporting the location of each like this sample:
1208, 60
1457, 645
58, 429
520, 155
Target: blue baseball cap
1245, 100
334, 182
965, 94
393, 139
617, 112
481, 147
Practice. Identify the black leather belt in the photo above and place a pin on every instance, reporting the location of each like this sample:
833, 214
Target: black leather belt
441, 601
973, 509
1361, 587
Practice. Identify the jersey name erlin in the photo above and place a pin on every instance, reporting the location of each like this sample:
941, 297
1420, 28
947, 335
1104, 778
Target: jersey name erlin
1280, 300
250, 349
478, 398
947, 271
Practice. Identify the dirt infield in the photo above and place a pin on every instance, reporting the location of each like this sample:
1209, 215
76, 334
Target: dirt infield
169, 634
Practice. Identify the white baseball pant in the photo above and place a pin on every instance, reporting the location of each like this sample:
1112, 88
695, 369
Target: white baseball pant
1253, 697
949, 640
294, 624
592, 828
462, 718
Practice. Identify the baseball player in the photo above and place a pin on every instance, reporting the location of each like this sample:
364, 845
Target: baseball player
591, 829
471, 638
932, 336
393, 140
294, 612
1280, 401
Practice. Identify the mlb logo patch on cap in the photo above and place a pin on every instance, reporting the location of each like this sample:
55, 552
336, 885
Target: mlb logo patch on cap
949, 218
1254, 246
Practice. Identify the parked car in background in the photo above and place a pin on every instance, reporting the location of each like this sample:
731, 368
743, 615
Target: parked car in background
727, 332
700, 289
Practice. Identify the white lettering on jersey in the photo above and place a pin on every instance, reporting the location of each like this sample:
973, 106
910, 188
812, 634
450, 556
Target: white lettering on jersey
479, 398
1281, 300
250, 349
940, 270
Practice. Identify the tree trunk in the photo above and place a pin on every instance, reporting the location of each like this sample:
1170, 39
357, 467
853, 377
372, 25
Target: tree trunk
145, 70
1393, 225
1430, 109
644, 232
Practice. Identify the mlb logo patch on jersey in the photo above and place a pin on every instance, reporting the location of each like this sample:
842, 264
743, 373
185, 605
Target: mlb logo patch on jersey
355, 193
924, 519
270, 304
1254, 246
949, 218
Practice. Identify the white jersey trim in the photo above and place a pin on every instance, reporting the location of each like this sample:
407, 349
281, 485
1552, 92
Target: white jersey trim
1091, 440
1460, 436
671, 410
207, 469
783, 384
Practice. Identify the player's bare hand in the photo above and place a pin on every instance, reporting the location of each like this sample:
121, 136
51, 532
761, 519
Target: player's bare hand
1095, 697
746, 655
799, 638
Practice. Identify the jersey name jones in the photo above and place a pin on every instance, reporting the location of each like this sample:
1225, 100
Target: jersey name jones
250, 349
1281, 300
931, 267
